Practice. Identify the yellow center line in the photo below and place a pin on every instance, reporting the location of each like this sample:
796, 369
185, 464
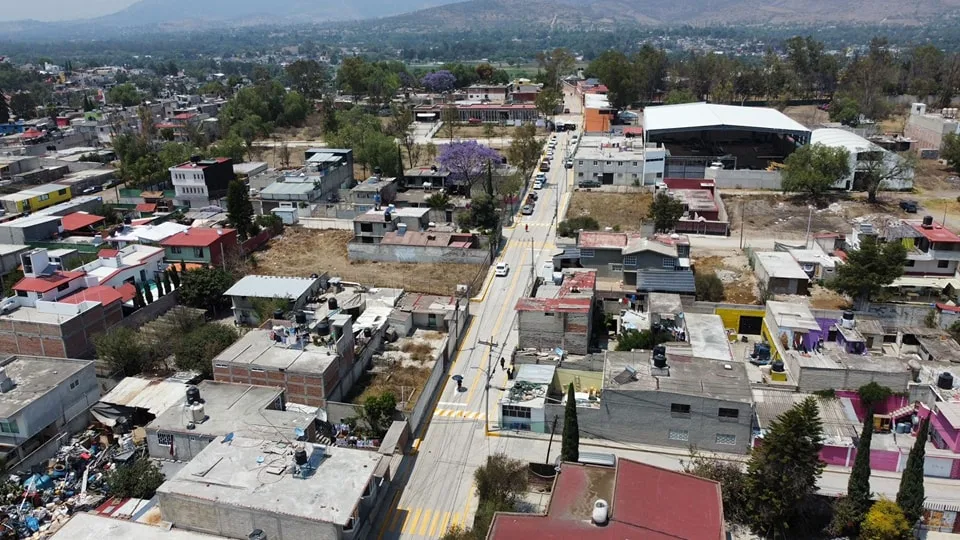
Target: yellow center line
496, 327
433, 525
425, 523
410, 525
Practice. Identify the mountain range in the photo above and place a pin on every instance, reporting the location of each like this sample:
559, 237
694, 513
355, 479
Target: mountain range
443, 15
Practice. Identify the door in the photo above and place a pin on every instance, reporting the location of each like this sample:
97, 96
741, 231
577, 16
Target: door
937, 467
607, 179
750, 325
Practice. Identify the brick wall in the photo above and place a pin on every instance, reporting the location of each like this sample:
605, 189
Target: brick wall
71, 339
299, 387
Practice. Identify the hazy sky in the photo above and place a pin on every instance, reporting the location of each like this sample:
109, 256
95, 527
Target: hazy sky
58, 10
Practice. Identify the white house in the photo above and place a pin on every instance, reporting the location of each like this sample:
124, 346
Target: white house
862, 155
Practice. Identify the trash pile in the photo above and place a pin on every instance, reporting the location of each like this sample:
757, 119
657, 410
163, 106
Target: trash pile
36, 505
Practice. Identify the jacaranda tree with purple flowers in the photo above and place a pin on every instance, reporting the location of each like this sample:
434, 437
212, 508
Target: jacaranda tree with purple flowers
439, 81
467, 161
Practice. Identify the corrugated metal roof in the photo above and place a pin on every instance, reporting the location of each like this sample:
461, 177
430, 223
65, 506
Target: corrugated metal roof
671, 281
272, 287
707, 115
154, 395
835, 137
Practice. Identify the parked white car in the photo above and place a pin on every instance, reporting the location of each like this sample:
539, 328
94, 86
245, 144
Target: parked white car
502, 269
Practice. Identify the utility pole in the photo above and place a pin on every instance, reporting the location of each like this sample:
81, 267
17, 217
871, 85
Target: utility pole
806, 239
552, 431
743, 222
486, 387
533, 262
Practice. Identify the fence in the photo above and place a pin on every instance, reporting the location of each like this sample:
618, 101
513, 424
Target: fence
326, 223
416, 254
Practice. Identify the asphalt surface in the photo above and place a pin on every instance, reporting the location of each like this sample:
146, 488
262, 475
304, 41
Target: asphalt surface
439, 491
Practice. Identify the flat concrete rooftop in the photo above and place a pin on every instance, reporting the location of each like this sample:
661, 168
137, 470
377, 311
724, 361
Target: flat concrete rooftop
257, 474
687, 376
256, 348
33, 377
708, 337
84, 526
237, 408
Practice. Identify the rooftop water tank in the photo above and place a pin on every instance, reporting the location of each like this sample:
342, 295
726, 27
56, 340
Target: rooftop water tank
300, 317
193, 395
601, 511
945, 380
332, 303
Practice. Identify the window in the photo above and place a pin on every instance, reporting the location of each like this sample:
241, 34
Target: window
62, 192
198, 252
74, 384
725, 438
943, 264
44, 197
668, 262
9, 427
634, 163
619, 164
580, 162
257, 370
630, 260
22, 293
595, 163
63, 287
729, 413
516, 411
175, 249
164, 439
679, 408
587, 253
659, 175
580, 174
614, 267
679, 435
910, 262
548, 314
222, 366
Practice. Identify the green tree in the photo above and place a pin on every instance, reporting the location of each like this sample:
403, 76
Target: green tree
869, 269
501, 479
438, 201
570, 449
547, 102
949, 150
328, 115
814, 169
125, 95
307, 77
196, 350
709, 287
232, 146
451, 119
665, 211
858, 484
615, 70
633, 340
204, 287
296, 108
732, 481
23, 105
481, 215
524, 151
845, 110
138, 299
378, 412
240, 209
165, 278
147, 293
4, 108
122, 350
879, 170
139, 479
885, 521
555, 65
265, 307
911, 494
782, 472
485, 71
174, 276
571, 227
678, 96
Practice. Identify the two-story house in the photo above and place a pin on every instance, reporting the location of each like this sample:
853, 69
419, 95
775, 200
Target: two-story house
370, 227
199, 181
932, 249
488, 92
631, 264
373, 193
201, 245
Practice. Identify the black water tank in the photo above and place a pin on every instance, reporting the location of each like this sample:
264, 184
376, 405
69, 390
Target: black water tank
300, 456
660, 350
928, 221
322, 328
278, 314
300, 317
777, 366
660, 361
127, 220
193, 395
945, 380
332, 303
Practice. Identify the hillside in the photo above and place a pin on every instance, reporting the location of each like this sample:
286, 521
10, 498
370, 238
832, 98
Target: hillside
599, 13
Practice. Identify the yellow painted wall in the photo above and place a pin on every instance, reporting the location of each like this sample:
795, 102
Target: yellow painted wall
731, 316
563, 377
54, 198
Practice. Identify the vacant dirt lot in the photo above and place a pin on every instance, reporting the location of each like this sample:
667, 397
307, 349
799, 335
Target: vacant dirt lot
623, 210
739, 281
785, 217
301, 252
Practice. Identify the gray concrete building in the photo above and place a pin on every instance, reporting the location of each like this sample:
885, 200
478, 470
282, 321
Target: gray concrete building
617, 161
371, 226
42, 399
246, 293
231, 489
372, 193
558, 313
32, 228
779, 273
184, 430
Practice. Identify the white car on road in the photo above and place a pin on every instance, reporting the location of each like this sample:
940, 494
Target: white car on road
502, 269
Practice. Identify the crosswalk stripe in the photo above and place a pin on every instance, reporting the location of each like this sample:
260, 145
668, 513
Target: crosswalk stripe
456, 520
443, 524
412, 522
433, 525
466, 415
425, 522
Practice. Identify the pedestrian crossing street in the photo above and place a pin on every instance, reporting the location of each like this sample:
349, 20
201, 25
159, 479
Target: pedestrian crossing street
423, 522
466, 415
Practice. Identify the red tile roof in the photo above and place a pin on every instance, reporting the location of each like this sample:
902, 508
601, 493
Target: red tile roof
647, 502
197, 237
46, 283
79, 220
147, 207
108, 253
608, 240
945, 307
101, 293
127, 292
938, 233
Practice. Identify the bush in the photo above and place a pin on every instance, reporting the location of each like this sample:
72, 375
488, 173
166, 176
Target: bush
641, 340
139, 480
709, 287
885, 521
569, 227
122, 350
198, 348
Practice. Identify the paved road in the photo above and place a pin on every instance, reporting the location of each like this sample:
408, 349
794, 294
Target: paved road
440, 493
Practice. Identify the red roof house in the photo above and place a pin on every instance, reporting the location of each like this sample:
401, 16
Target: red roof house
101, 293
645, 502
201, 245
79, 221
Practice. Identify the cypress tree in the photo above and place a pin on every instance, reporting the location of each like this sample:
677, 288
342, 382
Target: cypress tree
174, 276
858, 487
570, 449
162, 289
183, 266
138, 297
910, 497
489, 185
4, 109
166, 281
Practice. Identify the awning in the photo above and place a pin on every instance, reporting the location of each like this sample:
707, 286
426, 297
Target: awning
666, 281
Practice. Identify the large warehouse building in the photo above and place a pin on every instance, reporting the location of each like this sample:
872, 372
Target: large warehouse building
737, 146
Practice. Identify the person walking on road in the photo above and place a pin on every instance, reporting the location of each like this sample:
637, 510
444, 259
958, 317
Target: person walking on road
503, 363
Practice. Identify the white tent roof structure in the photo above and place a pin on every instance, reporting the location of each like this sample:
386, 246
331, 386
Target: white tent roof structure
702, 116
835, 137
